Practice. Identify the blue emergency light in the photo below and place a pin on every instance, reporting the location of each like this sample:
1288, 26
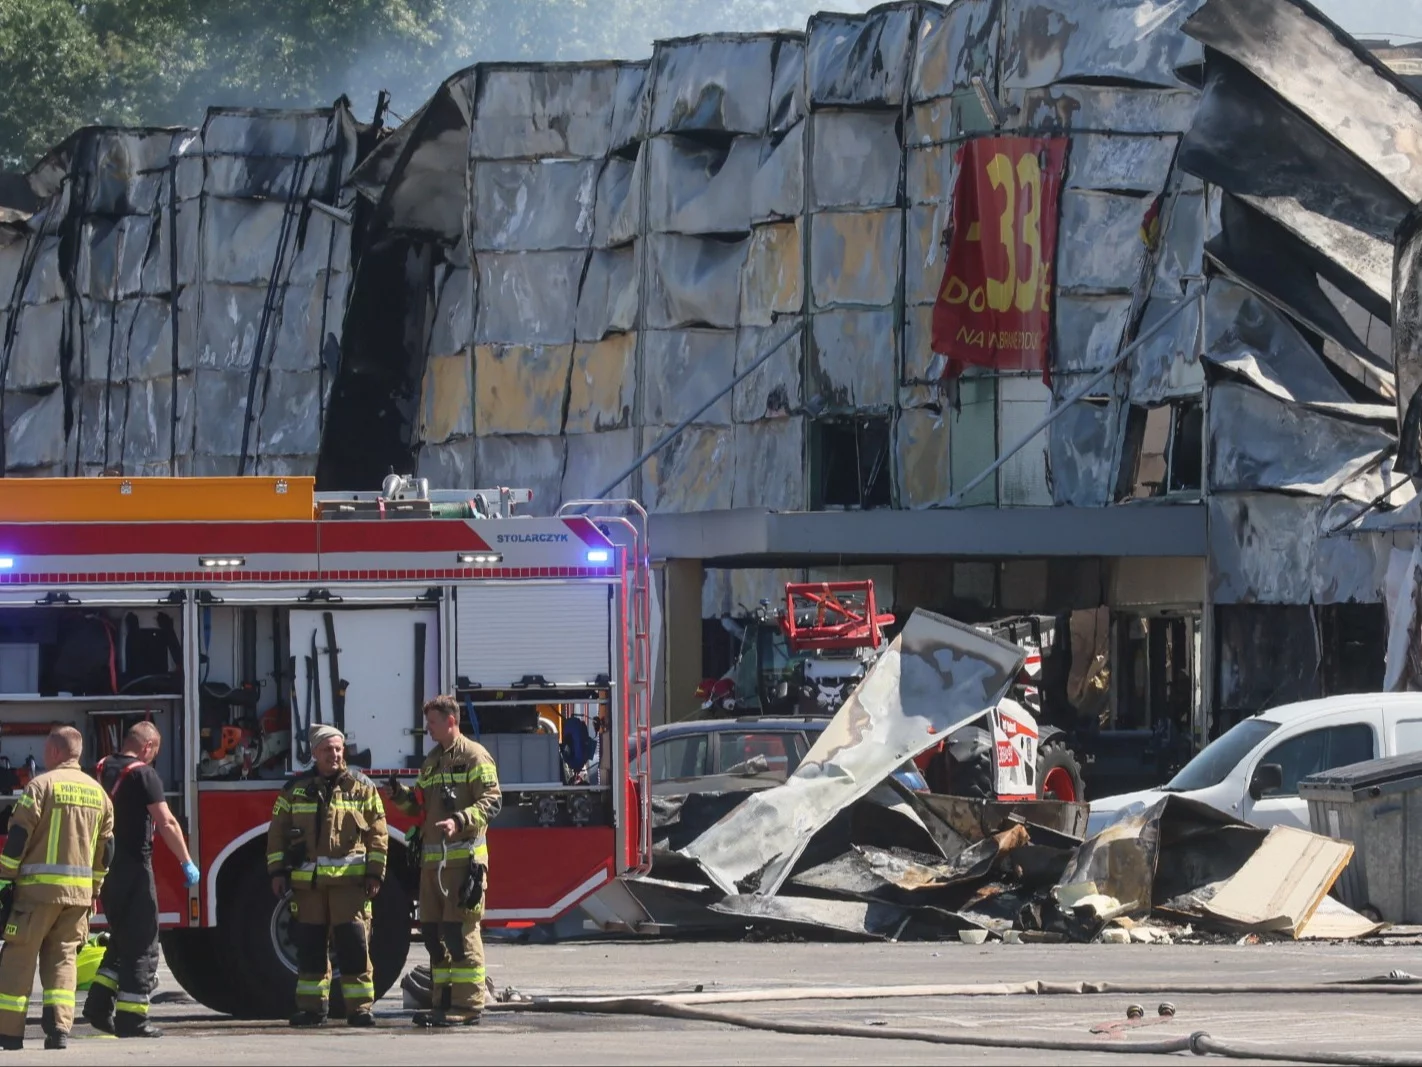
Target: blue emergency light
6, 562
599, 555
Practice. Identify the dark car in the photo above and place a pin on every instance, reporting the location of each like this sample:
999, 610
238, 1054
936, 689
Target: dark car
752, 750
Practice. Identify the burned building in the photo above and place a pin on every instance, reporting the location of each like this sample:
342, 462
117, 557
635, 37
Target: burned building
552, 274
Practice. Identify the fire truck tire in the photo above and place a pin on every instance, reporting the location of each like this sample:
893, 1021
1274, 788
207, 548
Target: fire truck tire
263, 961
191, 955
1058, 772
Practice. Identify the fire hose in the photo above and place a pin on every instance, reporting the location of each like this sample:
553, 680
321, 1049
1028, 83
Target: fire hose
692, 1006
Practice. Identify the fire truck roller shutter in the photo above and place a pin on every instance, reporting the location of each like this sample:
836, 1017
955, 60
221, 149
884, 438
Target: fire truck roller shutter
504, 633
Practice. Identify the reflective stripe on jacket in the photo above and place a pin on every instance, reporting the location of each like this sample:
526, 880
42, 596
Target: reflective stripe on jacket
69, 822
343, 830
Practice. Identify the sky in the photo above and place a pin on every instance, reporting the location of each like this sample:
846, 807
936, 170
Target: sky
1376, 18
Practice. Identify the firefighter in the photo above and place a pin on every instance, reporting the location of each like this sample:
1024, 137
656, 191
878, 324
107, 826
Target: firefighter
61, 840
327, 843
458, 796
129, 971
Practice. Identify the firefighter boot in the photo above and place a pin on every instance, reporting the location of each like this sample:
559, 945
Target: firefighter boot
99, 1008
55, 1038
307, 1019
11, 1044
130, 1025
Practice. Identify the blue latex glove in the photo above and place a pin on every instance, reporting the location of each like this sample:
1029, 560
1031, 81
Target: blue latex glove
191, 874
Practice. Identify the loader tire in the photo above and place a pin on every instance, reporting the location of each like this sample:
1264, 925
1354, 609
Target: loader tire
966, 767
1058, 773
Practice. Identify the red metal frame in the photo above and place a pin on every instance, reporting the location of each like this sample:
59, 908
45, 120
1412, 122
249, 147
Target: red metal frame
846, 616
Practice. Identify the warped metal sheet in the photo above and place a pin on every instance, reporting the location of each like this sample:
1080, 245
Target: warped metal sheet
699, 188
602, 385
774, 388
712, 83
227, 331
772, 284
922, 471
298, 332
1046, 41
1118, 163
1103, 262
1327, 75
222, 392
532, 111
240, 240
854, 257
290, 419
526, 461
1239, 322
323, 244
34, 431
922, 367
952, 45
146, 325
617, 212
1262, 377
923, 263
449, 465
1081, 448
520, 389
629, 105
533, 207
1181, 253
787, 87
1267, 548
770, 465
693, 281
935, 675
931, 173
854, 357
1250, 143
1407, 341
860, 60
594, 459
946, 120
607, 301
253, 154
528, 297
1123, 110
683, 369
34, 355
99, 426
1260, 442
867, 918
453, 326
1167, 364
778, 189
1088, 329
148, 428
856, 159
690, 473
113, 254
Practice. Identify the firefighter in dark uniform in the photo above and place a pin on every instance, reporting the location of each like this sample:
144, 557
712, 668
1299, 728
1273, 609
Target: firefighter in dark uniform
129, 971
60, 841
458, 796
328, 842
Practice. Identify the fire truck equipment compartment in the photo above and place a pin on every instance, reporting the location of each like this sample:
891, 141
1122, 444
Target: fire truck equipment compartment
494, 624
19, 668
525, 759
935, 676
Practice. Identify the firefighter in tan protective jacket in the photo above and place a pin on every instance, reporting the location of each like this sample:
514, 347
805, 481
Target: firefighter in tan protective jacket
458, 797
60, 842
327, 843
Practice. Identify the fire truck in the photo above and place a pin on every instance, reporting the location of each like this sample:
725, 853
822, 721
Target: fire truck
236, 612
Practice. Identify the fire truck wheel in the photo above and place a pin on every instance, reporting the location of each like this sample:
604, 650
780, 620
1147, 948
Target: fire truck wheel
1058, 773
190, 954
257, 939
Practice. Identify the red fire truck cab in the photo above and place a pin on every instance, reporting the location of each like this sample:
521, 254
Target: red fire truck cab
236, 612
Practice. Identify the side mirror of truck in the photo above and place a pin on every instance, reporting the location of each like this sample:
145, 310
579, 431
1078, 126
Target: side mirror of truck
1267, 778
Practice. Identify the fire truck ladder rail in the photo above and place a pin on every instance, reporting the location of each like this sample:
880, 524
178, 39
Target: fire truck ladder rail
637, 657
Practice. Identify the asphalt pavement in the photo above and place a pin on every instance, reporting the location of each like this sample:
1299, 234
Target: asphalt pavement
1325, 1023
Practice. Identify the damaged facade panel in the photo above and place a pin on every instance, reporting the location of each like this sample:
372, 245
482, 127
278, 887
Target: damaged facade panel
778, 189
594, 459
856, 161
607, 301
520, 389
772, 283
604, 377
1167, 364
953, 44
772, 390
861, 60
523, 460
1121, 110
854, 258
684, 367
1023, 478
528, 297
853, 362
924, 474
533, 207
690, 474
1047, 41
770, 465
717, 83
1082, 446
693, 281
698, 188
548, 110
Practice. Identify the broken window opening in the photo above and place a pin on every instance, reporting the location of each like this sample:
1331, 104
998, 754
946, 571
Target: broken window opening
849, 463
1354, 640
1163, 451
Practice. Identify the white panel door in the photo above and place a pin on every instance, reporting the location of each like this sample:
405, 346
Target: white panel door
376, 657
504, 633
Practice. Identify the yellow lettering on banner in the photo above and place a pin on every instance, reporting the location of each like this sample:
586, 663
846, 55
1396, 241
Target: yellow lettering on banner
1029, 175
955, 290
1000, 291
976, 302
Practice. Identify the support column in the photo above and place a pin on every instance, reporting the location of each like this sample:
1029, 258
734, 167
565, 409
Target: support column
681, 647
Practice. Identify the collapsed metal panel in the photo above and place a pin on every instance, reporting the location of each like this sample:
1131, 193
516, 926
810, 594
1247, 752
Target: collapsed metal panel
934, 676
1046, 41
860, 60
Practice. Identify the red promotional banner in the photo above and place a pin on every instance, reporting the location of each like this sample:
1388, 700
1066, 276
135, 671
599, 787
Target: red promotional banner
994, 307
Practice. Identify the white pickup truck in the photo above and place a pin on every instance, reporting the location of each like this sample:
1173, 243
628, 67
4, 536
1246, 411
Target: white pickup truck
1252, 771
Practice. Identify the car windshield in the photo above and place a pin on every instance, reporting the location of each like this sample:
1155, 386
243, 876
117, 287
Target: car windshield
1220, 756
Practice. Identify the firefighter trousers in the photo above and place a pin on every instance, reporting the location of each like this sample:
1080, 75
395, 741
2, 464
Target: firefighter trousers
454, 940
51, 933
326, 918
129, 971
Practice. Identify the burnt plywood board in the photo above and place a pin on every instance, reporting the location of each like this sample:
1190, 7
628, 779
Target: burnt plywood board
857, 159
770, 465
772, 283
682, 369
693, 281
853, 360
695, 472
526, 461
854, 258
922, 470
603, 384
520, 389
713, 83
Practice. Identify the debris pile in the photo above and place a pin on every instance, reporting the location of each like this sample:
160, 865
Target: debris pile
843, 847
